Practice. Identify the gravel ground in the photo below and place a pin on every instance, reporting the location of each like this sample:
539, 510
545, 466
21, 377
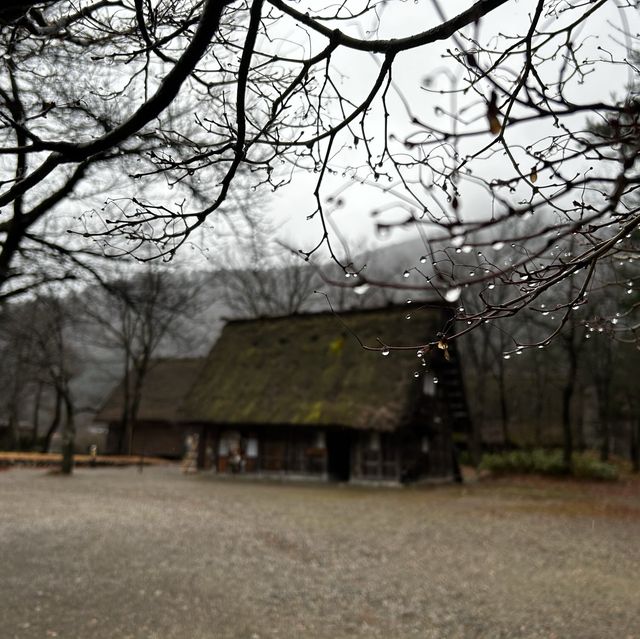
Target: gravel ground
111, 553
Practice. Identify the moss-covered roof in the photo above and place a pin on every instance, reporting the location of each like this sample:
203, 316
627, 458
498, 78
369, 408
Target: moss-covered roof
309, 370
163, 390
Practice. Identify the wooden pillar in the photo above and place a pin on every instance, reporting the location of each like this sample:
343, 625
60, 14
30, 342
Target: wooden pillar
215, 443
259, 439
357, 455
287, 448
325, 461
202, 446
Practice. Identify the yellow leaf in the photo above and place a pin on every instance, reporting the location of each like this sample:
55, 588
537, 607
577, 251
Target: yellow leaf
337, 345
492, 114
442, 345
534, 174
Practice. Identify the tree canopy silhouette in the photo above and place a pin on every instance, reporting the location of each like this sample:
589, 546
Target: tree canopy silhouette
518, 170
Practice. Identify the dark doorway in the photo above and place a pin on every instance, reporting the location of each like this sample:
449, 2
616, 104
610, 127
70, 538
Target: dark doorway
339, 455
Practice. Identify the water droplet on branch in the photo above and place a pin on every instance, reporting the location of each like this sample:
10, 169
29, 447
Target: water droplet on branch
453, 294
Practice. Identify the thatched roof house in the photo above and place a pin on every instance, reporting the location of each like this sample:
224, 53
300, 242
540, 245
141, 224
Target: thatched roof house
299, 395
159, 428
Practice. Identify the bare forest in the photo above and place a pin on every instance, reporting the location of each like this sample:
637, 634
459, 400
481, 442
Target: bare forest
495, 143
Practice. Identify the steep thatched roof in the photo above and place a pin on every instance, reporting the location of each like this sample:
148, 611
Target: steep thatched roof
308, 370
163, 390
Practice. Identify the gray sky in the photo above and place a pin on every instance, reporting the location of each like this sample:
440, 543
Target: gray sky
287, 210
293, 203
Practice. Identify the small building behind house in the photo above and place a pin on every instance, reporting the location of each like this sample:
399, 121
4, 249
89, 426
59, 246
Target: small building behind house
159, 429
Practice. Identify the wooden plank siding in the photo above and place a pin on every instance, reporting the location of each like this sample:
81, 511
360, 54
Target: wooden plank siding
292, 451
399, 458
153, 438
285, 450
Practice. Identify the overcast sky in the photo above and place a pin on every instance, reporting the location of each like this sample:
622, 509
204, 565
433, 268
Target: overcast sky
287, 209
293, 203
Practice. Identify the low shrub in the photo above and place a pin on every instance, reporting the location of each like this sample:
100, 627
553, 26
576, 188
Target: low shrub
587, 467
547, 462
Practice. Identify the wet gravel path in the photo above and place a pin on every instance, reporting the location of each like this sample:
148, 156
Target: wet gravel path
113, 554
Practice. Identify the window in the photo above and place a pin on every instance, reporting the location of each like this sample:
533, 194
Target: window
229, 443
251, 449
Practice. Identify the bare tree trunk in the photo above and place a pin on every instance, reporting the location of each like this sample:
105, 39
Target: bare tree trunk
567, 396
634, 435
125, 419
603, 414
476, 351
133, 382
476, 437
133, 413
581, 443
539, 370
539, 406
477, 424
55, 422
140, 372
13, 427
36, 416
123, 436
68, 437
635, 445
567, 436
504, 410
131, 404
479, 390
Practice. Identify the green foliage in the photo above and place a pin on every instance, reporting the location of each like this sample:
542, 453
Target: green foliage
543, 462
587, 467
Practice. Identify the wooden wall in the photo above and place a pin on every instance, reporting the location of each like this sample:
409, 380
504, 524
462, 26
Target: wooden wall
401, 456
280, 450
155, 439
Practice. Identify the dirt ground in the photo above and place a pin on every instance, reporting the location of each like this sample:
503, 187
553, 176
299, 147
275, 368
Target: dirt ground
115, 554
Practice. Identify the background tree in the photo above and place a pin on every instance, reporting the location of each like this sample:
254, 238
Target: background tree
256, 278
40, 354
16, 373
136, 316
55, 354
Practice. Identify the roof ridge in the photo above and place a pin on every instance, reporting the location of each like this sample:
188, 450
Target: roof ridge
435, 305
